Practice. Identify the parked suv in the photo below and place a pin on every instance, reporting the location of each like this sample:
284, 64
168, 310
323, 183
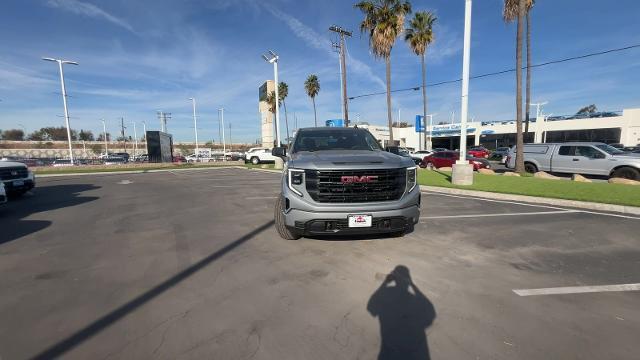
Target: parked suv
340, 181
589, 158
447, 158
17, 178
259, 155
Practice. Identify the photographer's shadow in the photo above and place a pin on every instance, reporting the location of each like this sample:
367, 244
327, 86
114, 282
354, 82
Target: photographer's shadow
404, 313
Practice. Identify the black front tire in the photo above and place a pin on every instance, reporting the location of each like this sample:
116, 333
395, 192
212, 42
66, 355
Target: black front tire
284, 232
530, 168
627, 173
255, 160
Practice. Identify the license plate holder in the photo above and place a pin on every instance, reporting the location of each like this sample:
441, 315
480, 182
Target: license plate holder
360, 220
18, 183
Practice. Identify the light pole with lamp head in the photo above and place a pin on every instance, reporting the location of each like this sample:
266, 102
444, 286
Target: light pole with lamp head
64, 99
195, 127
104, 129
272, 57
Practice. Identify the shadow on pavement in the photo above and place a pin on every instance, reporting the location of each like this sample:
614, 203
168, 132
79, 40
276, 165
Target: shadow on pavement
82, 335
404, 313
46, 198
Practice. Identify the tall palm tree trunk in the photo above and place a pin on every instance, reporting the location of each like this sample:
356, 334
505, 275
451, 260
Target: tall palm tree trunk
424, 99
387, 60
519, 140
528, 84
315, 114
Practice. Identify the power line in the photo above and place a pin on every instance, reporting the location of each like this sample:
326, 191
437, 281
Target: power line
416, 88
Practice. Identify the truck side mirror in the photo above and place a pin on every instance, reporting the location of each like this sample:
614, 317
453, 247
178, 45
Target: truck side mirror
280, 152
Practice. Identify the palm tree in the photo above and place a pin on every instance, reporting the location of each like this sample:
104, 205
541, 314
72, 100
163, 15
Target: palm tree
312, 86
517, 10
419, 35
283, 91
384, 21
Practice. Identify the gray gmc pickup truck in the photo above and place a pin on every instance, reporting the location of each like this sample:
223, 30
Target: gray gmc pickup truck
340, 181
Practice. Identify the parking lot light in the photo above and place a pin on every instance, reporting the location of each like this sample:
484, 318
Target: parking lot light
64, 99
195, 127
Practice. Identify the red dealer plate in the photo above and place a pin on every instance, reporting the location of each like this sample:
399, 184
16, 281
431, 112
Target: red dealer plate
359, 220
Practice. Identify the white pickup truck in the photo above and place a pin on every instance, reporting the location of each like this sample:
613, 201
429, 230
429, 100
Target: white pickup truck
589, 158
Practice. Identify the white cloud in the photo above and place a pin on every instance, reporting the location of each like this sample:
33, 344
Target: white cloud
319, 42
89, 10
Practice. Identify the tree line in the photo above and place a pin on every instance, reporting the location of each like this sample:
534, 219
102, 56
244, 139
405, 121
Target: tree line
55, 134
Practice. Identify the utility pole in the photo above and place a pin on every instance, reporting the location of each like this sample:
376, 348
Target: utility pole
343, 70
230, 141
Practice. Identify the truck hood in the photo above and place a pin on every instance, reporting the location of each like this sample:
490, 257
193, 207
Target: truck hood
347, 159
6, 164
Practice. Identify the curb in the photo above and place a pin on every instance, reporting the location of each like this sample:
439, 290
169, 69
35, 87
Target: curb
138, 171
267, 170
624, 209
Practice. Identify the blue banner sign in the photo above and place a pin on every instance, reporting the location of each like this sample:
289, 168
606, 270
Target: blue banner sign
334, 123
419, 123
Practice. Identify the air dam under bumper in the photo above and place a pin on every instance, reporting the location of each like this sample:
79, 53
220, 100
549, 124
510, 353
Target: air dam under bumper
337, 223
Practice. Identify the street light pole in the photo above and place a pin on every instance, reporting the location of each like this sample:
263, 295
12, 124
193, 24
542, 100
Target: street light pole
224, 143
463, 171
64, 100
195, 127
429, 127
135, 135
272, 58
104, 128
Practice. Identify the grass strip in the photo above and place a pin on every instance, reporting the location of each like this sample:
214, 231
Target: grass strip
605, 193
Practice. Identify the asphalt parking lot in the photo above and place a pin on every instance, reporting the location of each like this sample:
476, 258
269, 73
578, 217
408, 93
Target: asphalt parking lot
188, 265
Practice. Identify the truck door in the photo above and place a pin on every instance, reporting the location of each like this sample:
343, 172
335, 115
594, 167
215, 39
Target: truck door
564, 159
591, 161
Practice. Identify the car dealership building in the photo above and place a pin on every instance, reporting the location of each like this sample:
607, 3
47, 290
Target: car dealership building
608, 127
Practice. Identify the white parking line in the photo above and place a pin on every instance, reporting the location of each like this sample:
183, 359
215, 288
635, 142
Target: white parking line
260, 197
501, 214
526, 204
491, 200
577, 289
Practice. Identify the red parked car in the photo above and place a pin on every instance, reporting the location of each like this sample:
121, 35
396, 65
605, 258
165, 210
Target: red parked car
447, 158
479, 152
179, 159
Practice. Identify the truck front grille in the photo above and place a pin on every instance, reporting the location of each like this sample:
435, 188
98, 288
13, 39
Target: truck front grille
13, 173
326, 186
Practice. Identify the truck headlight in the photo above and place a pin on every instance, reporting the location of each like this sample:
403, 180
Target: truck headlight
411, 178
295, 180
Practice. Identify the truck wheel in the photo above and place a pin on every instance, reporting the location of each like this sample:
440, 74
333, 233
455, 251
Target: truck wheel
283, 230
429, 166
627, 173
255, 160
530, 168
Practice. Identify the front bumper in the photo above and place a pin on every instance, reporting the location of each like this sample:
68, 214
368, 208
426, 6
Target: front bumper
307, 217
11, 186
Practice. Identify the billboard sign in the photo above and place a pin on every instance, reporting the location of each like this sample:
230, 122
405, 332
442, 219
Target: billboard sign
334, 123
419, 123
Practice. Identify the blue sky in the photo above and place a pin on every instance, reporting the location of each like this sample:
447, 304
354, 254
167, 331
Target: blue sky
140, 56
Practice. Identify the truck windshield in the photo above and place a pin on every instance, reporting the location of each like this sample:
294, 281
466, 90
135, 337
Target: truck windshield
609, 149
334, 139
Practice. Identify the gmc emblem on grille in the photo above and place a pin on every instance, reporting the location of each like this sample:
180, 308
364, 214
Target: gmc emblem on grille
14, 173
358, 179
